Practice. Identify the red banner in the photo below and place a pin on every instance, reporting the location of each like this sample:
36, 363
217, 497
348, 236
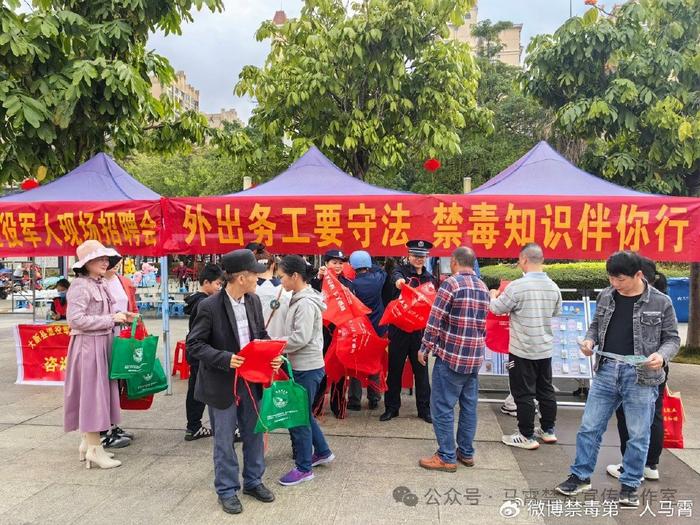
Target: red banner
568, 227
51, 228
42, 353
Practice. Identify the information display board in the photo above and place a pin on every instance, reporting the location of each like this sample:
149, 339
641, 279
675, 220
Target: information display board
567, 359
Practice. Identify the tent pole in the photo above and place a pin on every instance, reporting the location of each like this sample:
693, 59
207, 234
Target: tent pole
165, 308
32, 283
467, 183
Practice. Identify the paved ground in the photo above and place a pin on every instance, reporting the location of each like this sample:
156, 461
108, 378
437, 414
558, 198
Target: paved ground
164, 479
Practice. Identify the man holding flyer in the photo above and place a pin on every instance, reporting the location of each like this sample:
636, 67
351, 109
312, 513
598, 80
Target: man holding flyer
636, 333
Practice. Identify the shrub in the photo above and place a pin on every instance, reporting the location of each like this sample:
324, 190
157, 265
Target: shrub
576, 275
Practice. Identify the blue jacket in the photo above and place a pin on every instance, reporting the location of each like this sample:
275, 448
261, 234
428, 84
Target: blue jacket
368, 287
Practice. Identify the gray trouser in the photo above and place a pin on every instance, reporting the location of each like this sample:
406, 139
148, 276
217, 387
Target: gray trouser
355, 390
226, 471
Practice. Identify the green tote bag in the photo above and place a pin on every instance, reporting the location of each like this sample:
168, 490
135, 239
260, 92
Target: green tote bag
145, 384
132, 357
284, 404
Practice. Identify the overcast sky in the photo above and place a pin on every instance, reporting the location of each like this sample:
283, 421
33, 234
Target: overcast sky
213, 49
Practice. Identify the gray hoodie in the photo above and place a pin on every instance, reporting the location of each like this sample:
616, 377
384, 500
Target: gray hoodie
304, 326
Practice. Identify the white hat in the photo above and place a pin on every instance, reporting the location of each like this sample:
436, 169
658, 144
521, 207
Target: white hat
92, 249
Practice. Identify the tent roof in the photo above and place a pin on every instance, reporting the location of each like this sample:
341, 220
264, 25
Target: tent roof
314, 174
543, 171
98, 179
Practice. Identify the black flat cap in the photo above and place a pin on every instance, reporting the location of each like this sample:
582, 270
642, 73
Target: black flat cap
242, 260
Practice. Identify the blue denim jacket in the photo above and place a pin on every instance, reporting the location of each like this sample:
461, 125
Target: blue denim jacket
655, 329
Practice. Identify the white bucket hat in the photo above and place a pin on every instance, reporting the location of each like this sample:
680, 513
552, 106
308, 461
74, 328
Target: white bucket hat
92, 249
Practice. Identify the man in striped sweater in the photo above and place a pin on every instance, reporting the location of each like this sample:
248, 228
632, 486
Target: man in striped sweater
531, 302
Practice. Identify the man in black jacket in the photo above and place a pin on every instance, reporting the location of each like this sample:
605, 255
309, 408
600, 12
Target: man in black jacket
225, 323
404, 345
209, 284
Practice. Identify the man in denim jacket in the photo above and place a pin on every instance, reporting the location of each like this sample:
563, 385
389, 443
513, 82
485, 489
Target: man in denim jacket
636, 332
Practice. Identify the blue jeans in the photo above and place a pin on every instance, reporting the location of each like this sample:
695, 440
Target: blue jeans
615, 383
223, 423
310, 439
449, 388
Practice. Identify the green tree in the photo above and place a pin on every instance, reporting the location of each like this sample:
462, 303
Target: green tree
255, 154
488, 34
75, 80
202, 171
371, 88
629, 82
215, 169
519, 122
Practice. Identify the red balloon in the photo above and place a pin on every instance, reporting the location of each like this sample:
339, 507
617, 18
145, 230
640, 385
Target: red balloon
432, 165
29, 184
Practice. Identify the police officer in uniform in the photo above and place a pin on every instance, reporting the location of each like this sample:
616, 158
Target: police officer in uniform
333, 261
403, 344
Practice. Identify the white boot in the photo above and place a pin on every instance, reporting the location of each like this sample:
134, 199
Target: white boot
96, 454
82, 449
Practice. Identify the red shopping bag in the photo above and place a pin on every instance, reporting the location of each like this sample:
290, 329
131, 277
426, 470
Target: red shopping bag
142, 403
258, 355
349, 272
140, 334
358, 346
411, 310
498, 328
342, 305
673, 415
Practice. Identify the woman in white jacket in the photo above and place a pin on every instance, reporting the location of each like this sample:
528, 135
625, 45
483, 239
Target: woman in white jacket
304, 325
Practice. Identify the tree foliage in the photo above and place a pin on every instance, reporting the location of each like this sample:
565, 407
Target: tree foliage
372, 87
215, 169
488, 37
519, 122
628, 81
75, 80
202, 171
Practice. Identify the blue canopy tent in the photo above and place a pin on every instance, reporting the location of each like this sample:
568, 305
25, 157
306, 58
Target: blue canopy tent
101, 179
544, 171
314, 174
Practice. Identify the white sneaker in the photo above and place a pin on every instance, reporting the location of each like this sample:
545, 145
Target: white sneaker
509, 411
546, 437
651, 473
614, 470
520, 441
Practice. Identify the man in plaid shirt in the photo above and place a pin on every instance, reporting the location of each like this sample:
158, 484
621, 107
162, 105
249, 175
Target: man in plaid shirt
455, 335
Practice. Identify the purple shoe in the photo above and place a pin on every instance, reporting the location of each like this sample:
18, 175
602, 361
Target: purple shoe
318, 459
295, 476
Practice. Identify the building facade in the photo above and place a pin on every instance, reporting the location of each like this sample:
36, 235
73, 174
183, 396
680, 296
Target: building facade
510, 38
179, 90
216, 120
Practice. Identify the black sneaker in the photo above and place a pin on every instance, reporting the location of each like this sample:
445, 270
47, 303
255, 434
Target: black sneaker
202, 432
122, 433
573, 485
237, 436
110, 440
629, 497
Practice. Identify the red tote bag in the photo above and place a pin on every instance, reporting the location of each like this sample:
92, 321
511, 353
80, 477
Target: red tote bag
673, 415
498, 328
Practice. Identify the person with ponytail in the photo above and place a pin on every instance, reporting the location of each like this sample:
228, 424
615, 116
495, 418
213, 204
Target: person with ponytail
304, 324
